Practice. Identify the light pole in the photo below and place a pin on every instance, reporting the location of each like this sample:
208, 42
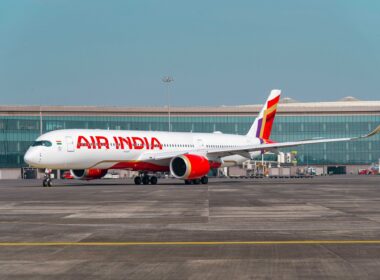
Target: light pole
167, 80
41, 121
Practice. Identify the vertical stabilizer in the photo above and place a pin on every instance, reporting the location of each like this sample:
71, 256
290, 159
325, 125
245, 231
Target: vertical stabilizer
262, 126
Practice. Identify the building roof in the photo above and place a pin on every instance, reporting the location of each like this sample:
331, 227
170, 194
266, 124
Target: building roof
296, 108
288, 100
349, 98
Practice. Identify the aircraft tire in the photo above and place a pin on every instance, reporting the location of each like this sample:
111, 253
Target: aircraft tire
204, 180
145, 180
49, 183
153, 180
187, 182
137, 180
196, 181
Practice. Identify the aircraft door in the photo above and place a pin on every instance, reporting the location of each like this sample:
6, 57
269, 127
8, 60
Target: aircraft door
70, 144
199, 144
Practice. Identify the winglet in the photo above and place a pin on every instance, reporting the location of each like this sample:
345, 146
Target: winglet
373, 132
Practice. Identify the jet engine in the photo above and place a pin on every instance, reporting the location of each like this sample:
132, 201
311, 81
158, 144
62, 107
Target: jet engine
88, 174
189, 166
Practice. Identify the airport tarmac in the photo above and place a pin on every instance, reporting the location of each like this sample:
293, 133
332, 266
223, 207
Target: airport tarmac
320, 228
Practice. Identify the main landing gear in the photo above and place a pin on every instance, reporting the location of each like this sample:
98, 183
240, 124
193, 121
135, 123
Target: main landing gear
145, 179
203, 180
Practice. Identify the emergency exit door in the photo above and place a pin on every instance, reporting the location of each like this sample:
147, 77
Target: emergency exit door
199, 144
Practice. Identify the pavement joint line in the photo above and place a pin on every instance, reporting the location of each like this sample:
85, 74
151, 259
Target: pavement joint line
171, 243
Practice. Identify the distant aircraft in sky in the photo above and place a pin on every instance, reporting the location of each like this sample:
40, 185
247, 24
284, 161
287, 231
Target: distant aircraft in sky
89, 153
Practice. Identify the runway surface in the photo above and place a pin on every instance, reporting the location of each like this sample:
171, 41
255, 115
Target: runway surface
326, 227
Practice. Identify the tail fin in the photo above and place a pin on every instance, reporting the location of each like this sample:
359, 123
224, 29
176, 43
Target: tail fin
262, 126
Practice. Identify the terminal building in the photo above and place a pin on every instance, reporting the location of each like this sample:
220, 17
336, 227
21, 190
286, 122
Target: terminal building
21, 125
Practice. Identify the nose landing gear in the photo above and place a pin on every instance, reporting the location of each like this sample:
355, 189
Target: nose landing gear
47, 182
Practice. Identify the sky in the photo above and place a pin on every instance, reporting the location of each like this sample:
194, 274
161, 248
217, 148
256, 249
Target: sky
115, 53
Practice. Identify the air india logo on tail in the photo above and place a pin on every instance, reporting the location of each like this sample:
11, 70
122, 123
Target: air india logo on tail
264, 127
136, 143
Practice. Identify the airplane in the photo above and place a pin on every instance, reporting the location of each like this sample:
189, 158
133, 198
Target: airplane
89, 153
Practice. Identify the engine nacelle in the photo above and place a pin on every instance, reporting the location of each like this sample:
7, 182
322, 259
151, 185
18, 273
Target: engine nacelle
88, 174
189, 166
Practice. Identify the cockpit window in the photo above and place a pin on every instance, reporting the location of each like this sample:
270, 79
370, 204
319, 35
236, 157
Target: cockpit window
42, 143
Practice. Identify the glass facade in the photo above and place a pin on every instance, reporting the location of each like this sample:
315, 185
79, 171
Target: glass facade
17, 133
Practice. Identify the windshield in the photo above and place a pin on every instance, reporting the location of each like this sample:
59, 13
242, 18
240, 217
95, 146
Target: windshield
42, 143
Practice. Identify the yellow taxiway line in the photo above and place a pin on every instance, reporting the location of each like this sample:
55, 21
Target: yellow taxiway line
185, 243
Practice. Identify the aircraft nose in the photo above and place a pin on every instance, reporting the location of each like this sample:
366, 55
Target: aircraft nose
31, 157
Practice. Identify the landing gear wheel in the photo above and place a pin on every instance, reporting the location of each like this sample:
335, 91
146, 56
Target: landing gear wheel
204, 180
137, 180
153, 180
145, 179
47, 182
196, 181
187, 182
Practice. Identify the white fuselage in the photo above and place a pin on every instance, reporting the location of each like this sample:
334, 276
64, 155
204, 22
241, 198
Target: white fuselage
115, 149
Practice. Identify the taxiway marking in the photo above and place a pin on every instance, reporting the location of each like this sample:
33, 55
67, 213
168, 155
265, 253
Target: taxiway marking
195, 243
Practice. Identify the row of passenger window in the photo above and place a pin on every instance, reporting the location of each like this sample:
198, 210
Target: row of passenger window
222, 146
156, 145
179, 145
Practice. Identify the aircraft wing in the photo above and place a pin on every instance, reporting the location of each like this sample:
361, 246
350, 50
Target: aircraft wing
271, 146
244, 150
